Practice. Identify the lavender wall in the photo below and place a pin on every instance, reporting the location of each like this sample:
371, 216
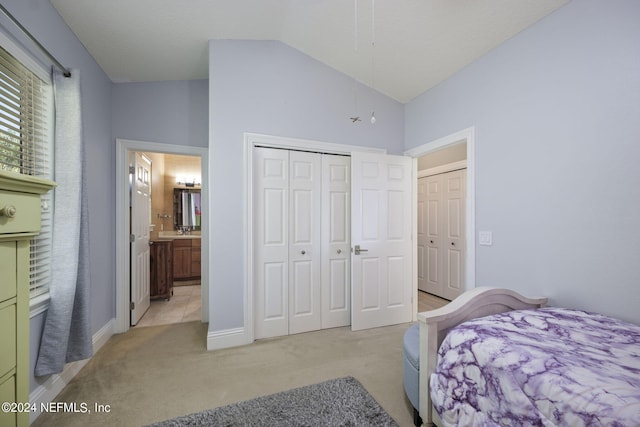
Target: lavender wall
556, 113
270, 88
43, 21
171, 112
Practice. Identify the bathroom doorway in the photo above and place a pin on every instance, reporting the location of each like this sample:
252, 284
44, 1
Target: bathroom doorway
174, 240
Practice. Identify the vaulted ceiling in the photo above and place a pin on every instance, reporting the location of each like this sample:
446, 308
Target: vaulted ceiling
399, 47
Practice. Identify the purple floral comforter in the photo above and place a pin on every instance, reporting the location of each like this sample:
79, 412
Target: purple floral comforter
543, 367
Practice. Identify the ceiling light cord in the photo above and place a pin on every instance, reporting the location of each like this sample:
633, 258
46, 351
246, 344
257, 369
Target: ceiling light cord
355, 26
373, 50
355, 117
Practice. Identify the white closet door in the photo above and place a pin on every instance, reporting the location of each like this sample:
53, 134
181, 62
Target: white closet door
271, 241
422, 234
454, 232
305, 174
433, 235
444, 236
336, 241
382, 284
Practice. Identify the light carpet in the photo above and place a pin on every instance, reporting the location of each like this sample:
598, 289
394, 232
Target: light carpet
337, 402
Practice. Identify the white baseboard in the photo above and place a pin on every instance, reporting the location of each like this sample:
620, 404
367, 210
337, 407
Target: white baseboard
47, 392
227, 338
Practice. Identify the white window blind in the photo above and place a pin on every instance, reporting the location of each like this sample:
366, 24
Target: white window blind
25, 147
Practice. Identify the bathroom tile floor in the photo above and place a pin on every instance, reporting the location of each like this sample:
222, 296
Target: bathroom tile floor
184, 306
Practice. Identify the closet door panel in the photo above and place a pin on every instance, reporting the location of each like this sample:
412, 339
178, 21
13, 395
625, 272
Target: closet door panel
336, 241
338, 292
271, 242
302, 313
274, 215
445, 233
422, 234
433, 282
454, 229
275, 300
304, 241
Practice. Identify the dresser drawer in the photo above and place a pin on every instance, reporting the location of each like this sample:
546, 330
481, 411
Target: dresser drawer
19, 212
8, 280
8, 394
7, 338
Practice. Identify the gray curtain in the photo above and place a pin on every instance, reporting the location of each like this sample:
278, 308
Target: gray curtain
67, 330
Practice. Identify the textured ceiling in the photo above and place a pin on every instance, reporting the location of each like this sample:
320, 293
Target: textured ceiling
399, 47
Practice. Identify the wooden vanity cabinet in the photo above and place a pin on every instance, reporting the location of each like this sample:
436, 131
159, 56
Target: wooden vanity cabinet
196, 245
181, 259
186, 259
161, 277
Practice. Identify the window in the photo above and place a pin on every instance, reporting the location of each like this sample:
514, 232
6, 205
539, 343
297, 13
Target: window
25, 145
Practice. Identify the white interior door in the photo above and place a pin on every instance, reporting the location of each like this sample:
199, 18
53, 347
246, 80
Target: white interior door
140, 217
336, 241
305, 174
381, 229
271, 241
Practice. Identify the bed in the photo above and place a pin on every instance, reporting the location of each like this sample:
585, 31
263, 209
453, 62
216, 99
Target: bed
494, 357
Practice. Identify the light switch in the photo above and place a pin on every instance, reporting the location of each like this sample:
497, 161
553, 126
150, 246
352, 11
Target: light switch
485, 238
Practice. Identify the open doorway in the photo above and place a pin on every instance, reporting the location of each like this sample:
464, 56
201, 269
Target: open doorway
441, 163
174, 223
441, 221
174, 170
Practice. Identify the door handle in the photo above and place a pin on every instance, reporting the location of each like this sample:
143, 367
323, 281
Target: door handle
357, 250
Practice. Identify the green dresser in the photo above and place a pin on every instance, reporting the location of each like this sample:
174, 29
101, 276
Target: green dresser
19, 222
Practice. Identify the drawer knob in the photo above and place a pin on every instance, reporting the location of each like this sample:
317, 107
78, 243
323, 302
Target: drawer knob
8, 211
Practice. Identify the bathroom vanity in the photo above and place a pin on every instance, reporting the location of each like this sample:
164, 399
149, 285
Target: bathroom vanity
186, 259
161, 277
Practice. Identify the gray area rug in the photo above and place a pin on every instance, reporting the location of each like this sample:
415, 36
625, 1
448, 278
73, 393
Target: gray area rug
338, 402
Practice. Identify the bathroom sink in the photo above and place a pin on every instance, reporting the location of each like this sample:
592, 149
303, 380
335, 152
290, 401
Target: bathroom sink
171, 235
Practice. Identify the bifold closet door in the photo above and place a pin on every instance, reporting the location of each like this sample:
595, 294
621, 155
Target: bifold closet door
271, 241
304, 241
336, 241
422, 235
442, 240
287, 199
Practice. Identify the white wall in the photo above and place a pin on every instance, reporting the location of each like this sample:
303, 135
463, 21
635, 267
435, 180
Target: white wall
556, 111
269, 88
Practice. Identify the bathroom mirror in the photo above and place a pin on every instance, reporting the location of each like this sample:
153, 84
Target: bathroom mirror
186, 208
